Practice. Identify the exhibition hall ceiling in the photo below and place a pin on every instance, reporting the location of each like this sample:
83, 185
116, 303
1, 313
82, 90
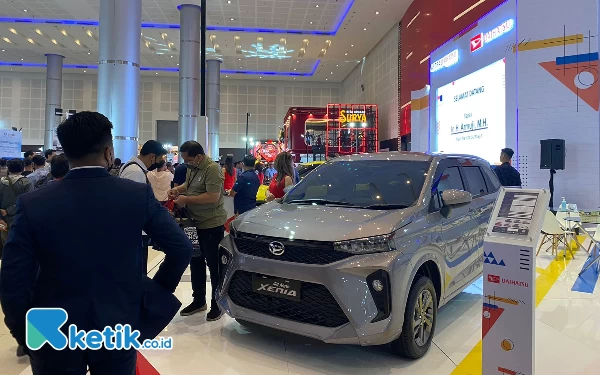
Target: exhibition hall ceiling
307, 40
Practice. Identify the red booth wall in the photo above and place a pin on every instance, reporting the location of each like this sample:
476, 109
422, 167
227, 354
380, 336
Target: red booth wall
430, 29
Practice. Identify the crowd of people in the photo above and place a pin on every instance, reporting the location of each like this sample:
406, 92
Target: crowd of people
44, 262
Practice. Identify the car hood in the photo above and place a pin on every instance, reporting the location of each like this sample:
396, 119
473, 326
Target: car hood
321, 223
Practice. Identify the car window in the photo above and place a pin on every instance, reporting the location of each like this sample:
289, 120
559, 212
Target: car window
449, 179
477, 185
303, 170
363, 183
493, 179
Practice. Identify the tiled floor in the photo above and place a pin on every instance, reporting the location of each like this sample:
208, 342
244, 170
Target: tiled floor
567, 336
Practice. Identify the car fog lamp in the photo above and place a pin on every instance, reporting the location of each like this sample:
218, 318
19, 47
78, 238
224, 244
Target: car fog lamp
378, 285
224, 259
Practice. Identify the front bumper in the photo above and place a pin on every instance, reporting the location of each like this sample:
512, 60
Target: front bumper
345, 280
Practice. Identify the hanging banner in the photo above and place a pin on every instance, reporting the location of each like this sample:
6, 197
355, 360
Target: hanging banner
10, 144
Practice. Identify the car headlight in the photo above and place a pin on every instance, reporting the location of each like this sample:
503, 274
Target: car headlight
232, 231
377, 244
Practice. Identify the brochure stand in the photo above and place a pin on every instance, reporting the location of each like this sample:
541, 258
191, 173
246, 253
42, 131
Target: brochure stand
508, 316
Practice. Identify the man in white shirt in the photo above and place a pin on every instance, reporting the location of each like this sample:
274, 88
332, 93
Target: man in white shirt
152, 155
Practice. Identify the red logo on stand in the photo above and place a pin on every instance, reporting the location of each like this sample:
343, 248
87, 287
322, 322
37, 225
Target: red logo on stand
476, 42
494, 279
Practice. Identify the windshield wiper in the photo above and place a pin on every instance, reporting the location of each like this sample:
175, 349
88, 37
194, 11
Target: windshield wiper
385, 207
319, 202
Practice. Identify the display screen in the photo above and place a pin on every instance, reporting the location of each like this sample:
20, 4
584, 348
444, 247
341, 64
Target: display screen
515, 214
471, 114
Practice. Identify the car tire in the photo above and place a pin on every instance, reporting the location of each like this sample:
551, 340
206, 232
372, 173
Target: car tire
417, 334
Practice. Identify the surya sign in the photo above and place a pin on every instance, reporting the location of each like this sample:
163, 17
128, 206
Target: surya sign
352, 116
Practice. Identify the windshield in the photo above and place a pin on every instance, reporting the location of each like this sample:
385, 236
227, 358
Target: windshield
364, 183
304, 169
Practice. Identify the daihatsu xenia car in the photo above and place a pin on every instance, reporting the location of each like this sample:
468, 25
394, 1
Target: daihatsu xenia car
364, 250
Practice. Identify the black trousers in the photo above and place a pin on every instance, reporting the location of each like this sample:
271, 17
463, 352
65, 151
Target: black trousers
209, 245
47, 361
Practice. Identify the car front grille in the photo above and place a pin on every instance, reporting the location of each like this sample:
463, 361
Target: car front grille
316, 306
305, 252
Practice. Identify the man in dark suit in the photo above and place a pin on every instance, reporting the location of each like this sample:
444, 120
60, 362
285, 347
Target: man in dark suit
506, 173
78, 262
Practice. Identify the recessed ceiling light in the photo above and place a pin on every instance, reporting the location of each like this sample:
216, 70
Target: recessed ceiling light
376, 12
30, 40
241, 67
54, 41
21, 59
63, 32
365, 29
239, 59
317, 5
326, 79
177, 64
346, 54
38, 31
351, 45
89, 53
226, 76
260, 77
311, 22
3, 50
338, 65
85, 71
233, 19
156, 73
228, 1
331, 72
295, 69
24, 10
12, 30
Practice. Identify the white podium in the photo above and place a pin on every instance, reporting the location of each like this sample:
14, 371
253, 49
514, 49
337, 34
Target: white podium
508, 316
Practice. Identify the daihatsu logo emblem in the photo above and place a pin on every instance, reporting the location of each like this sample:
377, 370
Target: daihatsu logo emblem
276, 248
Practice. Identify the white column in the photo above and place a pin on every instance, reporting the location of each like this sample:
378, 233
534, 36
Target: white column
53, 96
119, 71
189, 72
213, 105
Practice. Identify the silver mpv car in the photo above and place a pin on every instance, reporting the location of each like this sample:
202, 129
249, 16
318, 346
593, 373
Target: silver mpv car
363, 251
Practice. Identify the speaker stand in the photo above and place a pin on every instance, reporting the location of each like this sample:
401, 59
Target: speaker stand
552, 173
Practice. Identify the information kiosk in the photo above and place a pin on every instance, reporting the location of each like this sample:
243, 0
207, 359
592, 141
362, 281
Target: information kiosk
508, 315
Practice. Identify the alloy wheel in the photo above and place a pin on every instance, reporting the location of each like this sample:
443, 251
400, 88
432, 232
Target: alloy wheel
423, 318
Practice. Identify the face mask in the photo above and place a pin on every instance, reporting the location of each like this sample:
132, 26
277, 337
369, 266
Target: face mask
191, 165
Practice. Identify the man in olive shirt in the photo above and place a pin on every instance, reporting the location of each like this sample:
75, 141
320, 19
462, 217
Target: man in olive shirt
202, 193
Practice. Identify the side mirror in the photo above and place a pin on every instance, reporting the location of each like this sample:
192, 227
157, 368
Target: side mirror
454, 198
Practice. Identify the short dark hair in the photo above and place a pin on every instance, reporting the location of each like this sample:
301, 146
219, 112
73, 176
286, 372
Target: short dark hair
15, 166
117, 162
27, 162
39, 160
192, 148
153, 147
84, 133
3, 162
59, 166
249, 161
29, 153
48, 153
509, 152
169, 164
